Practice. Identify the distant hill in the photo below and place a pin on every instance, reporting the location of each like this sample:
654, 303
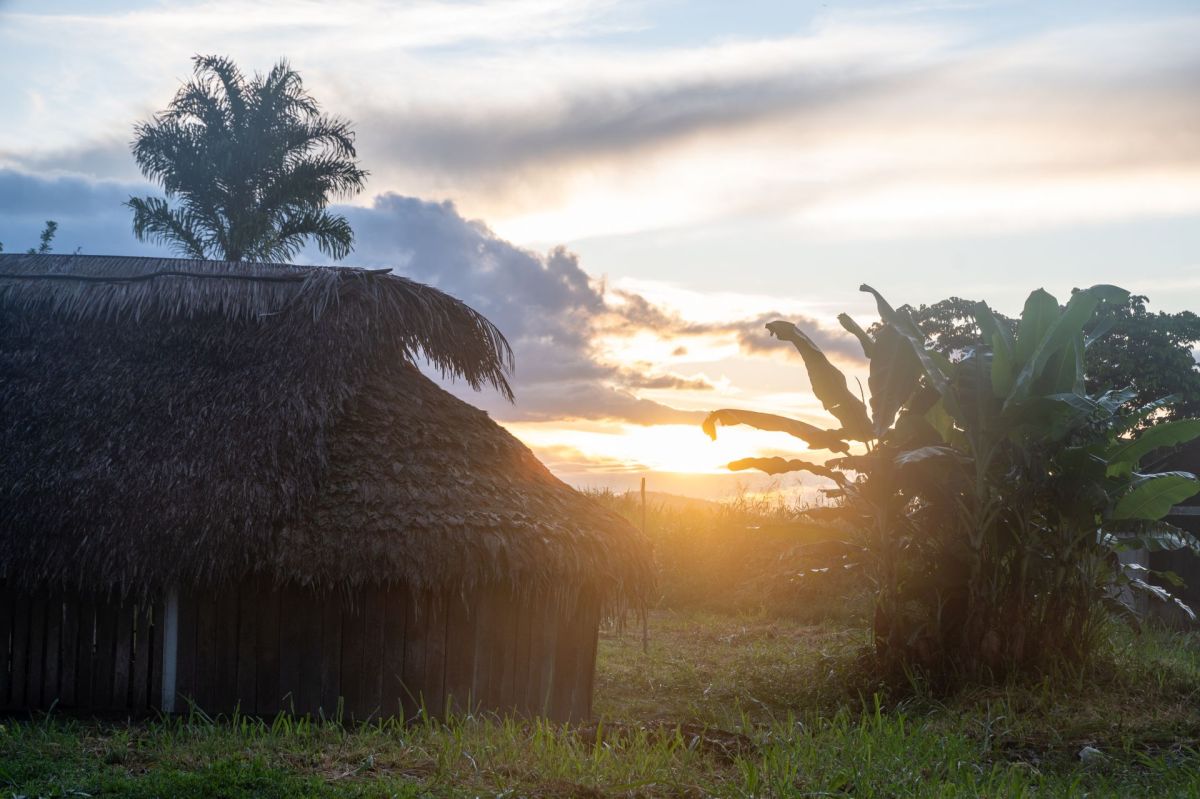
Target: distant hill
661, 499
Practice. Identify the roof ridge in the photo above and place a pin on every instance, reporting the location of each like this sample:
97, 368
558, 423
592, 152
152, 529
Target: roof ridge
294, 277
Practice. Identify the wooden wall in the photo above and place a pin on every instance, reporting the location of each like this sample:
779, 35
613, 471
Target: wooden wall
378, 651
67, 651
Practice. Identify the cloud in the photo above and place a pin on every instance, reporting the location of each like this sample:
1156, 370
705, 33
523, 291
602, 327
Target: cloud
548, 307
639, 313
89, 213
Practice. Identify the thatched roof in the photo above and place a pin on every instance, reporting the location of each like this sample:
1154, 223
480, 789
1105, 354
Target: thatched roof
194, 422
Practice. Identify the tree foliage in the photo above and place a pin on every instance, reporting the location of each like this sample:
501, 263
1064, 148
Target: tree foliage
1152, 352
248, 166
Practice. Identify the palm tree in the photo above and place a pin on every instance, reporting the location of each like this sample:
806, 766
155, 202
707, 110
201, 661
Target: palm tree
252, 164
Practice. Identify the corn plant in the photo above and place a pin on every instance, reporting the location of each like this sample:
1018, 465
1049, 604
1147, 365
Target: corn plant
987, 492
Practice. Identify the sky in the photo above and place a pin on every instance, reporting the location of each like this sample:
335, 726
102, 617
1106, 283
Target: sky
631, 189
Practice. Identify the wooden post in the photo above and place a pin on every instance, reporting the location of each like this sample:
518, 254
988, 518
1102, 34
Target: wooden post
643, 506
645, 621
170, 649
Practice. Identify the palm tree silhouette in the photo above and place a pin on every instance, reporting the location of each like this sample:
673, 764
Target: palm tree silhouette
252, 163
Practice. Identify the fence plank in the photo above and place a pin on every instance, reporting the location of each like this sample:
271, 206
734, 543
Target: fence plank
543, 643
123, 655
247, 646
461, 618
375, 612
35, 669
157, 644
51, 693
486, 665
291, 632
68, 651
105, 657
588, 630
395, 699
308, 609
566, 660
331, 657
6, 623
434, 682
207, 646
521, 701
353, 677
186, 656
225, 651
139, 680
416, 630
85, 650
267, 687
20, 650
506, 674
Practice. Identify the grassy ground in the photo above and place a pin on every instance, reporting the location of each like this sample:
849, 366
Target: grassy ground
755, 684
719, 705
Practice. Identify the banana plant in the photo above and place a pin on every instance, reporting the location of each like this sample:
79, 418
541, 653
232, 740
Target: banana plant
988, 491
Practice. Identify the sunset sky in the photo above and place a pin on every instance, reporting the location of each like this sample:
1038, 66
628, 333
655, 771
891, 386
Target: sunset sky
631, 189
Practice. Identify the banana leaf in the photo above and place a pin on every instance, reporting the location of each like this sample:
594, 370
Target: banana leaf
828, 382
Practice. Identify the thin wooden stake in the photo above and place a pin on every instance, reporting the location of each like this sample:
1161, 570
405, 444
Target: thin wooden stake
645, 613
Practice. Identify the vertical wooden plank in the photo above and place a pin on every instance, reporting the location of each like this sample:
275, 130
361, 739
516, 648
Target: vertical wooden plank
416, 631
485, 665
543, 643
566, 660
123, 654
139, 679
157, 608
353, 640
68, 650
207, 647
35, 669
267, 686
588, 631
104, 660
434, 682
247, 646
308, 610
395, 694
225, 651
20, 650
291, 635
6, 619
331, 656
186, 659
375, 612
506, 651
523, 611
461, 618
85, 650
51, 693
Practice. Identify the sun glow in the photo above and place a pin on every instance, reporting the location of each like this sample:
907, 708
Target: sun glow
683, 449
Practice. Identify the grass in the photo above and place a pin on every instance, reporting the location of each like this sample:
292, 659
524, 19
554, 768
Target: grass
719, 705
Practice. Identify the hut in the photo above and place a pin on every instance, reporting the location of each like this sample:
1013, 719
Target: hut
228, 486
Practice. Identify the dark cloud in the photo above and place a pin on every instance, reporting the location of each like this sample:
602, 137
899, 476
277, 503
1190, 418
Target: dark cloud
547, 305
638, 313
89, 213
640, 380
597, 119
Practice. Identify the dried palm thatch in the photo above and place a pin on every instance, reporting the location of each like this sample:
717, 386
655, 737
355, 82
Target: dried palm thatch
168, 422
